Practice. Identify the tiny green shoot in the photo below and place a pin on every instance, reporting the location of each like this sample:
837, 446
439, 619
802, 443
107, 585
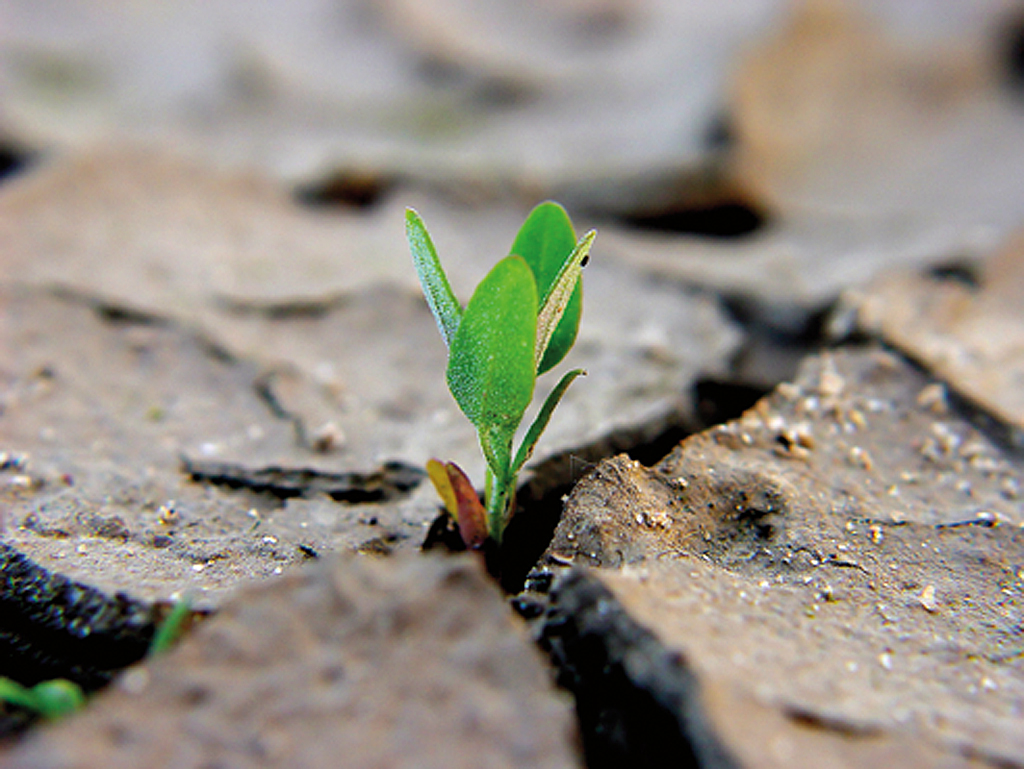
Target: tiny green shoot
51, 699
520, 322
169, 631
58, 697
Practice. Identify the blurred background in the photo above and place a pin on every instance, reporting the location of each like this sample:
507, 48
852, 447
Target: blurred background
774, 153
668, 114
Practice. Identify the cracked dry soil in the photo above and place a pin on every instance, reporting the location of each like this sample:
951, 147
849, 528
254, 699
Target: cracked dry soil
847, 553
838, 569
833, 576
146, 458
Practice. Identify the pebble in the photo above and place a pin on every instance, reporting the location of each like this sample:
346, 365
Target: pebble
927, 598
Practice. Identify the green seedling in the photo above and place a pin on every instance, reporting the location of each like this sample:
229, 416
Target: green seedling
171, 629
58, 697
51, 699
521, 321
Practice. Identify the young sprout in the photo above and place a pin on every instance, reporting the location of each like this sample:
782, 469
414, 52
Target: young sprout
520, 322
50, 699
170, 630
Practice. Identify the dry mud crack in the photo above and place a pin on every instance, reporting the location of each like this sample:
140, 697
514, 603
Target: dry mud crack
841, 565
837, 572
834, 577
160, 441
208, 387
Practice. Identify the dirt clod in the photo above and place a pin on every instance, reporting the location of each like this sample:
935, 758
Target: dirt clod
866, 601
409, 661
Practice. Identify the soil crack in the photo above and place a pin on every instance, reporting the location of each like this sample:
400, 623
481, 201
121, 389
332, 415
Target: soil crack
390, 481
637, 702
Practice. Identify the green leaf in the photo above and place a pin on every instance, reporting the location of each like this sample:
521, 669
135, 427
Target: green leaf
564, 337
541, 420
13, 693
57, 697
496, 443
436, 288
51, 699
491, 369
545, 241
558, 300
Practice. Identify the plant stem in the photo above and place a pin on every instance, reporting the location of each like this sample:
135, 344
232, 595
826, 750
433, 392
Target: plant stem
497, 495
497, 507
490, 500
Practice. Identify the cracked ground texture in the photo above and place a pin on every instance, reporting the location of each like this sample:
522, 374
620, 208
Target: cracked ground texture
219, 380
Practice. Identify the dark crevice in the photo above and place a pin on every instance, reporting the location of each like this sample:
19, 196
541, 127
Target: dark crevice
122, 315
967, 274
301, 308
814, 720
721, 400
126, 316
107, 311
784, 324
723, 219
264, 386
777, 339
360, 190
708, 202
638, 704
14, 161
1011, 48
443, 534
719, 134
393, 480
216, 351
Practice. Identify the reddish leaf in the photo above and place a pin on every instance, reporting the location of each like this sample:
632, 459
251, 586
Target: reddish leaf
472, 518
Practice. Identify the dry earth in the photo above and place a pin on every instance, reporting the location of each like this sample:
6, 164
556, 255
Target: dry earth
218, 379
